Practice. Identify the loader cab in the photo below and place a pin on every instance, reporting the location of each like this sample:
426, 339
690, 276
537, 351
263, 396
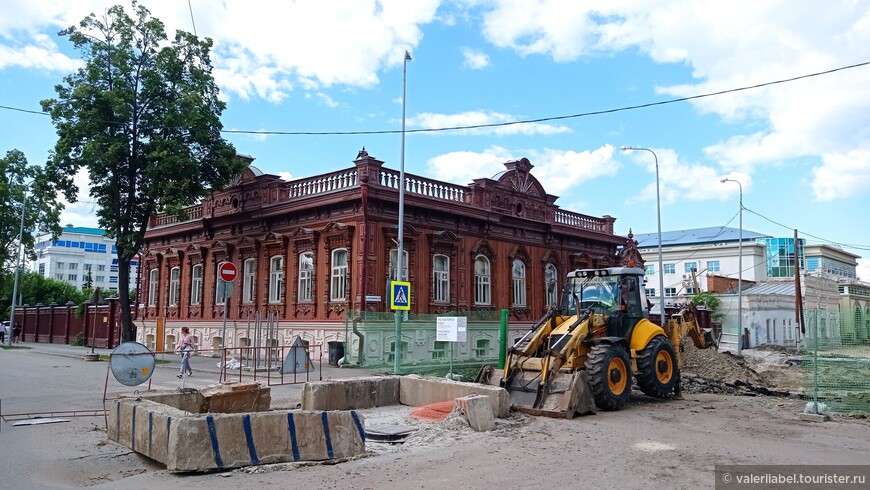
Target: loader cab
613, 292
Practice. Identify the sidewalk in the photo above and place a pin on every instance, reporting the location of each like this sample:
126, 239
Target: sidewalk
202, 363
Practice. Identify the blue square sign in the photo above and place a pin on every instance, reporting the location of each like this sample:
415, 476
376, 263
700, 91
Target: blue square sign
400, 295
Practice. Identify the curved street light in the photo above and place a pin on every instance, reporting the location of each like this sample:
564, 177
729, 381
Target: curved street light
739, 272
659, 218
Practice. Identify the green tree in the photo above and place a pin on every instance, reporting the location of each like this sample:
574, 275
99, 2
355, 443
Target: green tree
42, 213
143, 117
36, 289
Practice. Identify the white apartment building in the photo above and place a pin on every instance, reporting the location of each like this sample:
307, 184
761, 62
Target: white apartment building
82, 257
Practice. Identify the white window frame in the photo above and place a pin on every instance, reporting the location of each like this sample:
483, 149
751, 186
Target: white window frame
217, 280
440, 278
196, 284
338, 276
174, 285
249, 277
688, 266
670, 292
551, 284
482, 281
650, 292
713, 266
276, 279
518, 280
153, 277
670, 268
305, 294
393, 253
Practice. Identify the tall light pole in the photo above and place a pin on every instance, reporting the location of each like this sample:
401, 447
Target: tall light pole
17, 267
659, 218
739, 272
397, 349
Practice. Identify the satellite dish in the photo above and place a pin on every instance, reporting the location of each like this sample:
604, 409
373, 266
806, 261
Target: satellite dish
132, 363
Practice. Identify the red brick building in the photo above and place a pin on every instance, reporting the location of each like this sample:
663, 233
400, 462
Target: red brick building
312, 249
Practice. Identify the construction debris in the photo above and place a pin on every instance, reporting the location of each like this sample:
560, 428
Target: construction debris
711, 371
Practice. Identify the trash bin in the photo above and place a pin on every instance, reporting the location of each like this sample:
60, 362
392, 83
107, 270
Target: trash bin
336, 352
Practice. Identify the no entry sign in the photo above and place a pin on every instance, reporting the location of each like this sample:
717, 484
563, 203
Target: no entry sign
228, 271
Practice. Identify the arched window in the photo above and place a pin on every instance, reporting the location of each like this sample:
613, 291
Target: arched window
441, 278
338, 286
306, 277
276, 279
249, 276
518, 274
196, 285
551, 284
174, 285
152, 287
482, 285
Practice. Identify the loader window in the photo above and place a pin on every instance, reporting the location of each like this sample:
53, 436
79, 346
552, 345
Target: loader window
600, 291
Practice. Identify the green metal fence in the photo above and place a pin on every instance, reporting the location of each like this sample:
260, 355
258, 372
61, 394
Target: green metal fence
836, 361
370, 342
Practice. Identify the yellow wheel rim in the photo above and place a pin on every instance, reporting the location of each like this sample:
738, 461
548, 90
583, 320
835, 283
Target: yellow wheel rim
617, 375
664, 367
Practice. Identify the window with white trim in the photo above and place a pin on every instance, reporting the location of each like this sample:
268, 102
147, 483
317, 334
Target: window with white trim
218, 298
393, 267
670, 292
712, 266
152, 287
196, 284
551, 284
249, 276
518, 275
306, 277
441, 278
276, 279
338, 285
174, 285
482, 285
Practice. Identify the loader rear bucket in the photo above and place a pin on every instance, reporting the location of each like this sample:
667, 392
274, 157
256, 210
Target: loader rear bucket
568, 393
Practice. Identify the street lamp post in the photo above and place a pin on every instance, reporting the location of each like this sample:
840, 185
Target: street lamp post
397, 345
17, 267
739, 272
659, 219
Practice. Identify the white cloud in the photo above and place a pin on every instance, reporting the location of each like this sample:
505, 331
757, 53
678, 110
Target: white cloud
728, 45
474, 59
557, 170
263, 51
84, 211
681, 181
285, 175
474, 118
842, 175
327, 100
863, 270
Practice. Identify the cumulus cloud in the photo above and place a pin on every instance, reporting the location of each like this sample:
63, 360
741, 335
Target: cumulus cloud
474, 118
863, 269
84, 211
557, 170
842, 175
285, 175
728, 45
474, 59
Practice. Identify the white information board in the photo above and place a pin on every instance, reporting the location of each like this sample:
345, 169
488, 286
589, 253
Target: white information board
451, 329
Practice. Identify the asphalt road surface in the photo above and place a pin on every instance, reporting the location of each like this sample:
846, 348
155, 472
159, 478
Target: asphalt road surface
651, 444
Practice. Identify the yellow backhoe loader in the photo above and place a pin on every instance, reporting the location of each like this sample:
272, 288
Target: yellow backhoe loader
583, 352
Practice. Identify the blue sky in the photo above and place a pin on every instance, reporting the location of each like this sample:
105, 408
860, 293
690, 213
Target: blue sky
800, 149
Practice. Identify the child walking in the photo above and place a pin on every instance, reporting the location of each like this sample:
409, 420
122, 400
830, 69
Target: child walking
186, 347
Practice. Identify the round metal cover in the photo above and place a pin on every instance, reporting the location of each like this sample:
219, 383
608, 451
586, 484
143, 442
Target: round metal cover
132, 363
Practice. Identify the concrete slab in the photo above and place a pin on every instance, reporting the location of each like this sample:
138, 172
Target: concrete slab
814, 417
417, 390
354, 393
477, 410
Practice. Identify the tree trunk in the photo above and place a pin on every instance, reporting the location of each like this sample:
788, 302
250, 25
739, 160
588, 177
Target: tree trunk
128, 329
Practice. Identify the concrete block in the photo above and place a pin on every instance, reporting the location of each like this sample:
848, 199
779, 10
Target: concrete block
416, 391
237, 398
477, 410
354, 393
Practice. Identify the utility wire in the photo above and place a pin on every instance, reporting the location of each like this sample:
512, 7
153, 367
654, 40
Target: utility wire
822, 240
191, 17
523, 121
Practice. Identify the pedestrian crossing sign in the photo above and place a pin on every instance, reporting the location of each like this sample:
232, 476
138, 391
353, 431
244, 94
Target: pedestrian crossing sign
400, 295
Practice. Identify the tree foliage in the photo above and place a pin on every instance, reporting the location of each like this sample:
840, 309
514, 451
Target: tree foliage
707, 300
42, 211
143, 117
35, 289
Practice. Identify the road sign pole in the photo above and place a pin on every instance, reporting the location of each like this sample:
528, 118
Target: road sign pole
226, 307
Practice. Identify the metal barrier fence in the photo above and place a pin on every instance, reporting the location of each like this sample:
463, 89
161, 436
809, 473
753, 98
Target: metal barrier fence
836, 361
371, 341
275, 365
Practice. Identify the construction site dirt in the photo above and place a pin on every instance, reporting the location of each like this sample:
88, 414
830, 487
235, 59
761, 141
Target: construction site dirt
652, 443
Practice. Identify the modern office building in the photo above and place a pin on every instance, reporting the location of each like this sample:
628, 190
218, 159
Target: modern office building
84, 257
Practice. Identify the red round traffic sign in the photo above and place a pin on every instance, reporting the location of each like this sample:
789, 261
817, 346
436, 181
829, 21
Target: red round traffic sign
228, 271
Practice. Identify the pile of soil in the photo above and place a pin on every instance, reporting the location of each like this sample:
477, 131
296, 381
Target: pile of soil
711, 371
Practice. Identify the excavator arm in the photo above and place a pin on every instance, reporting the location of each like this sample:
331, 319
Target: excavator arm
685, 324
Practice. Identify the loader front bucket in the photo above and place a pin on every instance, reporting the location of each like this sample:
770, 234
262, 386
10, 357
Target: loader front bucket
566, 395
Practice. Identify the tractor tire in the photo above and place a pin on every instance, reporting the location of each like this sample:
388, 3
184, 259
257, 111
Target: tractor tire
657, 370
609, 369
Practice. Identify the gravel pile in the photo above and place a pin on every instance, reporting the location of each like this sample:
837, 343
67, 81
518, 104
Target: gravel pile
711, 371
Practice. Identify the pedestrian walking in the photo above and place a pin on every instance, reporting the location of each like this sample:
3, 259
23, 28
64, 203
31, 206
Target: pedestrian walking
186, 347
16, 333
